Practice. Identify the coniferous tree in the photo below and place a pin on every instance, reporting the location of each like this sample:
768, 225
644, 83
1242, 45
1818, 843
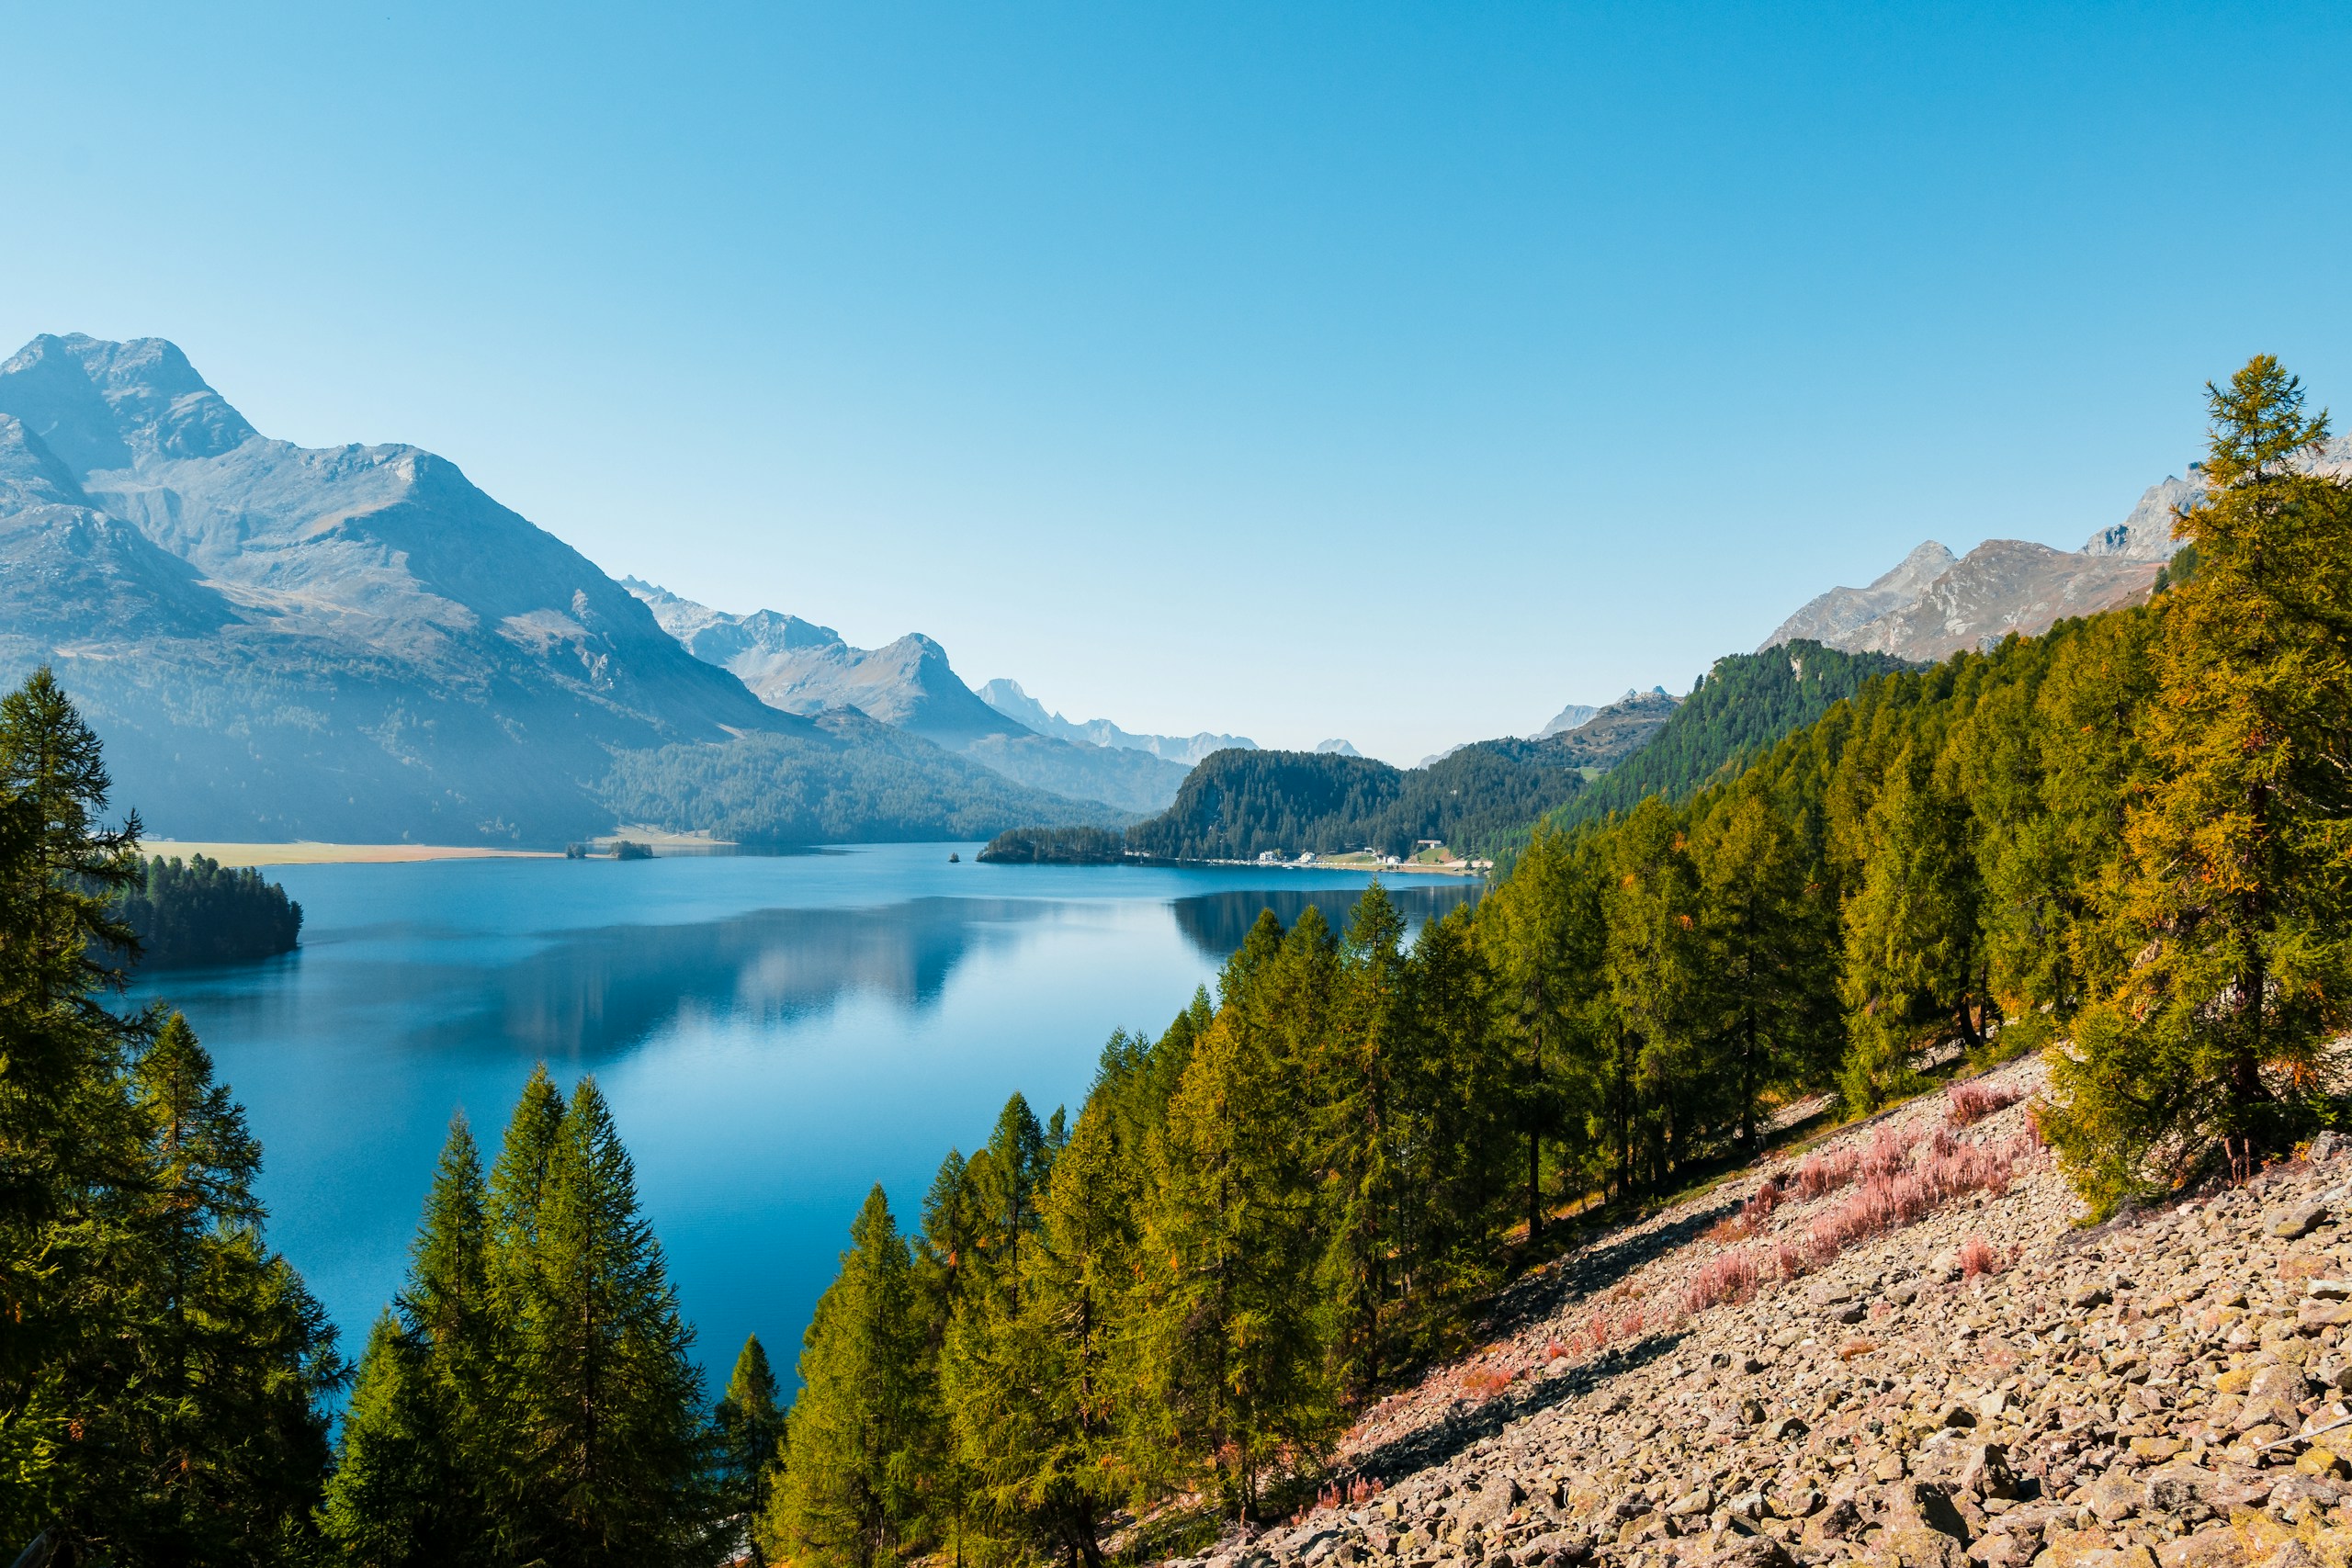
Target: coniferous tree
1913, 957
1229, 1356
1767, 946
162, 1372
2234, 894
606, 1403
750, 1430
850, 1491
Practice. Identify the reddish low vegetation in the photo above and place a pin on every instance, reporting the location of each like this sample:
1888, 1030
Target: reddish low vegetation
1727, 1277
1820, 1175
1973, 1101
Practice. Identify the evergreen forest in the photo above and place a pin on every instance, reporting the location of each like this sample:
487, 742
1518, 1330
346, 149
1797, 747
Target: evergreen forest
2129, 835
199, 911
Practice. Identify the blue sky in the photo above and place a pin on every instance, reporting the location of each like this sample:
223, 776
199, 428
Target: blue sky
1392, 372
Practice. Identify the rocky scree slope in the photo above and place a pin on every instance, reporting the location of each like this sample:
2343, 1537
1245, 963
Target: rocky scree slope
1963, 1377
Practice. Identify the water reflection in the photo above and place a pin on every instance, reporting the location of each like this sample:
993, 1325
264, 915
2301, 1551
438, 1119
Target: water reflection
593, 995
1216, 923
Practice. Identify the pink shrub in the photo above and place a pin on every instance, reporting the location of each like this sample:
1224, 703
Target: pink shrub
1886, 1203
1973, 1101
1820, 1174
1942, 1145
1726, 1276
1788, 1261
1759, 1208
1977, 1257
1889, 1153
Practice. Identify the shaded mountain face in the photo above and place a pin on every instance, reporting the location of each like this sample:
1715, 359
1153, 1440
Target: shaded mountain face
351, 643
798, 667
1009, 699
1931, 607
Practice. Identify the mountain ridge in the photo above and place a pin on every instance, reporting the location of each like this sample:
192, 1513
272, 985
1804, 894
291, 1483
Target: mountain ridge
1932, 605
799, 667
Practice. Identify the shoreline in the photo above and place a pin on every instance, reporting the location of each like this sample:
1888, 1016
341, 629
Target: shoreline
312, 853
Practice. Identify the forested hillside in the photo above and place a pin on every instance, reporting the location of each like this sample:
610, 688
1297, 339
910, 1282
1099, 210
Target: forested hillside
1737, 710
1236, 804
852, 779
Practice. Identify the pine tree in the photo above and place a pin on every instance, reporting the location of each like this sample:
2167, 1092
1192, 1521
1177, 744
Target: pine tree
1766, 952
1229, 1364
1914, 952
606, 1401
1361, 1077
750, 1431
1030, 1383
2233, 897
1540, 935
423, 1448
850, 1495
384, 1506
1650, 967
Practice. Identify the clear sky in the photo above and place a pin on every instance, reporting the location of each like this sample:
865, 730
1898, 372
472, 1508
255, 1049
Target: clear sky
1398, 373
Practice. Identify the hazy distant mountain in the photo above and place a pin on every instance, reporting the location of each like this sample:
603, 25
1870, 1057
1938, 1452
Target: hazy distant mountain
1568, 717
1336, 749
799, 667
1009, 699
1931, 605
351, 643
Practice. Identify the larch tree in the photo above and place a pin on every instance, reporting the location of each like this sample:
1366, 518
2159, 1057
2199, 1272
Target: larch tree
2235, 893
851, 1493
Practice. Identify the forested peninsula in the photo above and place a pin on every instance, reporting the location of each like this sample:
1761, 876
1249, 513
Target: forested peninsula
199, 911
1109, 1334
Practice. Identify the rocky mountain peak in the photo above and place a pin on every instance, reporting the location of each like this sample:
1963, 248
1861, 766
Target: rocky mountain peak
100, 405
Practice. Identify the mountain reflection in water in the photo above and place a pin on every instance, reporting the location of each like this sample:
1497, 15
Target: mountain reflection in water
593, 995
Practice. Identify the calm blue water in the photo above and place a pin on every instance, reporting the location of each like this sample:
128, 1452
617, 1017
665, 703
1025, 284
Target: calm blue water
776, 1034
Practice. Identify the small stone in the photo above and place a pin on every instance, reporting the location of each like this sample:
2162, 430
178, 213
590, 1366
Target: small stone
2083, 1298
2329, 1289
1854, 1314
2155, 1450
1752, 1412
1788, 1428
1956, 1416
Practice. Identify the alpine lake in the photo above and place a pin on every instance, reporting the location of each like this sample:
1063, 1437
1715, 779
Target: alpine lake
775, 1033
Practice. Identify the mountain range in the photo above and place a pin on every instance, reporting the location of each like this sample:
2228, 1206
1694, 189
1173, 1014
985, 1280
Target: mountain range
1932, 605
798, 667
356, 643
1009, 699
